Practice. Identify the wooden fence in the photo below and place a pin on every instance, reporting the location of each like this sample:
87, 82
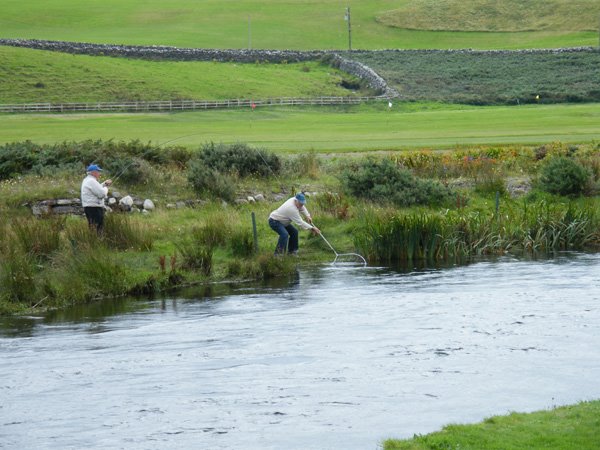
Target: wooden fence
179, 105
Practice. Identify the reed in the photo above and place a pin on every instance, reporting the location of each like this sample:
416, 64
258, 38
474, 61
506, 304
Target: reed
390, 237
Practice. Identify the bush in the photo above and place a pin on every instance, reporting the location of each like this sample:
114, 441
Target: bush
205, 180
563, 176
383, 181
240, 159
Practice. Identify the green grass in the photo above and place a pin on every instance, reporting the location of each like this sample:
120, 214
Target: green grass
362, 128
30, 76
296, 24
492, 15
564, 428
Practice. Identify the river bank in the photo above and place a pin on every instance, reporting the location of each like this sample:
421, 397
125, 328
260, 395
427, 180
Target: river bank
436, 207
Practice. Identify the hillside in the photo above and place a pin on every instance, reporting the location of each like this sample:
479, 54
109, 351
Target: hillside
30, 76
489, 78
492, 15
295, 24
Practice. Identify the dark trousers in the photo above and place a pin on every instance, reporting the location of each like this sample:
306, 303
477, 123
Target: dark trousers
288, 237
95, 217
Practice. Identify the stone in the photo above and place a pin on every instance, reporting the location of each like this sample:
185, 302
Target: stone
40, 209
148, 205
126, 201
112, 201
171, 206
259, 198
251, 199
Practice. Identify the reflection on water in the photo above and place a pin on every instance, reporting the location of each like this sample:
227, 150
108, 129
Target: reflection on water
337, 357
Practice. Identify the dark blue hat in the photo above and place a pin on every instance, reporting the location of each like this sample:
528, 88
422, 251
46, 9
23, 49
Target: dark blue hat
301, 198
93, 168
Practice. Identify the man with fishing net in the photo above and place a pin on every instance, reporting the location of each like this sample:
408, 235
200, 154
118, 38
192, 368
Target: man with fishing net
93, 194
281, 220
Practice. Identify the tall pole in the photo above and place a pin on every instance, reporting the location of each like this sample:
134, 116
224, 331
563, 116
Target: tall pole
249, 34
349, 28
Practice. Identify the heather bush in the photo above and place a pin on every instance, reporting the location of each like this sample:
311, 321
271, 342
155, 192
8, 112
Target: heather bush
384, 181
563, 176
240, 159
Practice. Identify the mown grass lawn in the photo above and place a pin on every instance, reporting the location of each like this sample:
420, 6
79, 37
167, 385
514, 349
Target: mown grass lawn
324, 129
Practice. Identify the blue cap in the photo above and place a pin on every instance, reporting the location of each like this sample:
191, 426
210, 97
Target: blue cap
301, 198
93, 168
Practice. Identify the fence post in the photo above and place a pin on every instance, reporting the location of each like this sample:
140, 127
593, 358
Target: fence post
497, 202
254, 233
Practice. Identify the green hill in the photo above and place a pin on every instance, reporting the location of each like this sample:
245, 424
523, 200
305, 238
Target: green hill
32, 76
493, 15
294, 24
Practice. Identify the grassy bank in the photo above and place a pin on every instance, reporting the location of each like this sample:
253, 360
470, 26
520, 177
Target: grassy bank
270, 24
568, 427
36, 76
324, 129
445, 210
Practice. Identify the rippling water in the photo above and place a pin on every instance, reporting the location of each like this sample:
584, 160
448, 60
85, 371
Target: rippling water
341, 357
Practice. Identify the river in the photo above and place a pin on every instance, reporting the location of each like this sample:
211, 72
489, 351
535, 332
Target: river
340, 357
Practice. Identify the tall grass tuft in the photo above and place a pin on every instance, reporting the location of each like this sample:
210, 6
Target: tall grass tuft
17, 274
38, 237
122, 233
195, 256
86, 273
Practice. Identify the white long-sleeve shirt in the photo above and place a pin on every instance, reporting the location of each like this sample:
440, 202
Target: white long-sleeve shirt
93, 193
288, 213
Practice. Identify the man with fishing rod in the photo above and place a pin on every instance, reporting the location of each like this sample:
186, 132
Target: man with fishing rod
281, 220
93, 194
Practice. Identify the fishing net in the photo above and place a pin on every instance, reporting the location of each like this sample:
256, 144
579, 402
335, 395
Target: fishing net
349, 259
345, 258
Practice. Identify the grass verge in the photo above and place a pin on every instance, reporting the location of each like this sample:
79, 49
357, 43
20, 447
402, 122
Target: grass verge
564, 428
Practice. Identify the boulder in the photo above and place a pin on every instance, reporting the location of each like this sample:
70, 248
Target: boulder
148, 205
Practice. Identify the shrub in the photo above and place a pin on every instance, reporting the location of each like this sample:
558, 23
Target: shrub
563, 176
17, 158
307, 164
240, 159
205, 180
332, 203
384, 181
